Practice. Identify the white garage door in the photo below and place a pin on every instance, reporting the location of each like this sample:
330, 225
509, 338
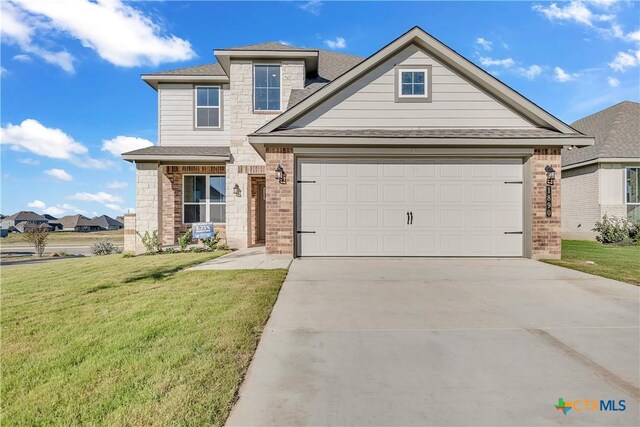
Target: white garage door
409, 208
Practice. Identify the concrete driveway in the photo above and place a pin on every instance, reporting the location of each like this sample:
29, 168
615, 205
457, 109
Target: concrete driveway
443, 342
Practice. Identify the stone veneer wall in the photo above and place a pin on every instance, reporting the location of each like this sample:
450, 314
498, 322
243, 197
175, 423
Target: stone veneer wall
280, 210
130, 235
243, 122
546, 232
148, 200
172, 225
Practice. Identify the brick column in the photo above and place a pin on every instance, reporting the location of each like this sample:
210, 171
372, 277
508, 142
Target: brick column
130, 236
545, 232
280, 209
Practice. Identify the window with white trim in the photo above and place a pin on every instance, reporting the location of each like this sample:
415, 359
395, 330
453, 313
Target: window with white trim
207, 106
204, 199
633, 193
413, 83
266, 87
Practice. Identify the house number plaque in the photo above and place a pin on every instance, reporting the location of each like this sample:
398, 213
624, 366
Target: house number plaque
548, 201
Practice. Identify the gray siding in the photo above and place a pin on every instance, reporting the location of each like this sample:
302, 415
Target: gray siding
370, 102
176, 118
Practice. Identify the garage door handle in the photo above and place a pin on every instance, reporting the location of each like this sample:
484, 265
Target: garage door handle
407, 218
513, 232
513, 182
306, 232
411, 214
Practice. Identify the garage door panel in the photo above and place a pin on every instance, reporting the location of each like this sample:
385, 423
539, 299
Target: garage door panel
460, 207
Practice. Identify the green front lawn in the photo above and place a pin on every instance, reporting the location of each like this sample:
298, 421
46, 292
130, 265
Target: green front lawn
615, 262
128, 341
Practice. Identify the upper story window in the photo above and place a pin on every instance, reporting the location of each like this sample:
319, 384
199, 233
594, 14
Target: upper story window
413, 84
207, 106
266, 88
633, 193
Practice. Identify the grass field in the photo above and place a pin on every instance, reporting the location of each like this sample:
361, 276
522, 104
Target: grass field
69, 237
615, 262
128, 341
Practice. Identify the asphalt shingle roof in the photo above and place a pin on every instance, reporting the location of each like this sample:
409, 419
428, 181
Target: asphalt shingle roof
26, 216
181, 151
105, 221
269, 46
426, 133
213, 69
72, 221
616, 131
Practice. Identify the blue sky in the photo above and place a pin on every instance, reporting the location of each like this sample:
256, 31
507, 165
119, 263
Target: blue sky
72, 98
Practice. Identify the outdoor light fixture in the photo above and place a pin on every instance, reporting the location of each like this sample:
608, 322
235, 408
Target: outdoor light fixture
281, 176
551, 174
237, 191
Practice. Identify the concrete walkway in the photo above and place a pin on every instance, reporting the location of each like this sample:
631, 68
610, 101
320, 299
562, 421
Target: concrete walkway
247, 259
482, 342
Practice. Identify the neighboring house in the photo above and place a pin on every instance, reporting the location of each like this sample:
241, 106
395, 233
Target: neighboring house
12, 221
53, 222
413, 151
78, 223
107, 223
603, 178
120, 219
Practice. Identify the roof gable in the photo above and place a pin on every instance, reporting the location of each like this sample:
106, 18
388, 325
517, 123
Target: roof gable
444, 55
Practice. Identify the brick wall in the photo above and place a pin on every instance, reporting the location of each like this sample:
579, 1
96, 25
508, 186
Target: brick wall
280, 209
172, 226
546, 232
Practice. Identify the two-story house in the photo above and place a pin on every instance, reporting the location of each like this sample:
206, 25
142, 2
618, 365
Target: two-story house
413, 151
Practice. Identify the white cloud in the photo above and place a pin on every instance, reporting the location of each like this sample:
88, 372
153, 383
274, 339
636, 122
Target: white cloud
532, 71
22, 58
562, 76
38, 204
488, 62
117, 32
3, 71
312, 6
284, 42
30, 162
19, 28
31, 135
338, 43
99, 197
625, 60
613, 82
605, 4
114, 207
484, 43
122, 144
116, 185
575, 11
59, 174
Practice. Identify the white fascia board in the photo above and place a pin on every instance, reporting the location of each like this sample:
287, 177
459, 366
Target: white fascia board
154, 79
633, 160
160, 158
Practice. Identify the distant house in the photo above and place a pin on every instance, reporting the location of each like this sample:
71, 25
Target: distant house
10, 222
53, 222
78, 223
605, 177
120, 218
107, 223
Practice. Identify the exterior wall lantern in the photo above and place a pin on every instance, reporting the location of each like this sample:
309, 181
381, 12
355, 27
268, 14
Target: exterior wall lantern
551, 174
236, 190
281, 176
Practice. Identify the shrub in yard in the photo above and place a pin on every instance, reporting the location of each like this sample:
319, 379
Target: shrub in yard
616, 230
37, 235
184, 240
211, 243
169, 251
151, 242
128, 255
103, 248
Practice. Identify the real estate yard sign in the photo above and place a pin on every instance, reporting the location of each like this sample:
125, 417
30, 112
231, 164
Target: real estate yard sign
202, 230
